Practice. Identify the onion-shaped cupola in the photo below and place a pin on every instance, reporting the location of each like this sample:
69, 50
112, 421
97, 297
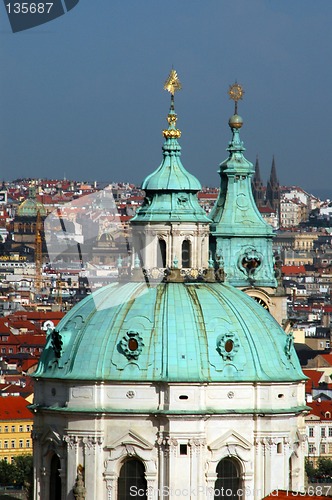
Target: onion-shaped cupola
171, 228
241, 239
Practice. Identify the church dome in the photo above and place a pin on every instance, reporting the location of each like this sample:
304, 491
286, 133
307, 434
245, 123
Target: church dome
170, 332
31, 206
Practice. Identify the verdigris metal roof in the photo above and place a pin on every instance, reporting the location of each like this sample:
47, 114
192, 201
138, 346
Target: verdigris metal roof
182, 332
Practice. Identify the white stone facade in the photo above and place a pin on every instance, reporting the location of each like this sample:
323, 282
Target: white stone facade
179, 432
173, 234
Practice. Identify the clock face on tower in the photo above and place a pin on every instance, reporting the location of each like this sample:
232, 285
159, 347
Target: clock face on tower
261, 302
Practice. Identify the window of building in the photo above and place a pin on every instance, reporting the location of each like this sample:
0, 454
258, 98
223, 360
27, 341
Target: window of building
161, 253
20, 443
12, 443
13, 428
132, 475
5, 459
10, 350
322, 432
186, 254
322, 449
330, 431
5, 444
20, 428
311, 448
3, 350
55, 479
311, 432
228, 478
28, 428
6, 428
183, 449
27, 444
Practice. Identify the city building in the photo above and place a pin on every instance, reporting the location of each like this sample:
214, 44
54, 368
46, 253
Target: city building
319, 431
15, 427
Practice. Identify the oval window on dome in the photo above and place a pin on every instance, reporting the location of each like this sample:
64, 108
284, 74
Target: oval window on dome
229, 344
133, 344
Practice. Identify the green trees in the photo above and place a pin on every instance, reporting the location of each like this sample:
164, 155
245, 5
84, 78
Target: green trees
324, 467
18, 473
322, 471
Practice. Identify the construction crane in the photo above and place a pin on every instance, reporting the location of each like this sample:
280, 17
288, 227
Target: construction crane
38, 253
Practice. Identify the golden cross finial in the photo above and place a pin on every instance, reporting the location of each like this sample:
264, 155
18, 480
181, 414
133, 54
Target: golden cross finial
236, 93
172, 83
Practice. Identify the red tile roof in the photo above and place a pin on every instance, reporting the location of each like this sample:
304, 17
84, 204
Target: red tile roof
207, 196
3, 326
266, 210
314, 378
327, 357
28, 363
322, 409
14, 408
293, 270
32, 339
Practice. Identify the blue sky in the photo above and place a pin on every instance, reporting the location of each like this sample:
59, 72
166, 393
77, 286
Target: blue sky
82, 96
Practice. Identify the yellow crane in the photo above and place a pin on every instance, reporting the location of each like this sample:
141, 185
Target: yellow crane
38, 253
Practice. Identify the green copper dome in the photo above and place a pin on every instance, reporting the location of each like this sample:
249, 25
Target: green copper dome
171, 175
171, 191
181, 332
31, 206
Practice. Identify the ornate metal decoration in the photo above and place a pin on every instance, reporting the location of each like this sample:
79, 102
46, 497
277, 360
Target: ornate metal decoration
236, 93
250, 261
132, 345
289, 345
172, 83
228, 345
56, 343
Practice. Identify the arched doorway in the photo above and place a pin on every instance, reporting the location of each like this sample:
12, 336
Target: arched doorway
228, 482
55, 479
132, 482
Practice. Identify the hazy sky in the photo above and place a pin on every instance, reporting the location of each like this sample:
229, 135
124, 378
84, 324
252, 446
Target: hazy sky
82, 96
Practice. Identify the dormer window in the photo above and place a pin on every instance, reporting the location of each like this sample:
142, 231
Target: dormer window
327, 414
